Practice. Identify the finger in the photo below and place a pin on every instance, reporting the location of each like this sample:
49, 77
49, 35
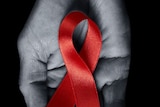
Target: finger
55, 72
32, 73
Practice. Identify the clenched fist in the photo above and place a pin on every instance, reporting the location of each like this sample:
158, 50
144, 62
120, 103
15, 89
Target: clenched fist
41, 64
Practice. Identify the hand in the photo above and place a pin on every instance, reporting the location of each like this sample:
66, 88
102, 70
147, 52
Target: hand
42, 67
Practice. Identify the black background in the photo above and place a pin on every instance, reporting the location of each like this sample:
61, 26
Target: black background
141, 81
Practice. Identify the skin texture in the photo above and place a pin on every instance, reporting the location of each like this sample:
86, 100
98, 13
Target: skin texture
41, 64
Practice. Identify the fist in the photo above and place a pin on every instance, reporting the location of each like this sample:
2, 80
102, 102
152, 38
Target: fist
41, 65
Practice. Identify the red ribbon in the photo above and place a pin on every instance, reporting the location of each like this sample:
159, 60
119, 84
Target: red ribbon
78, 87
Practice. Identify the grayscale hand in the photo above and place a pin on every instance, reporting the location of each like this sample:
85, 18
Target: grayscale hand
41, 63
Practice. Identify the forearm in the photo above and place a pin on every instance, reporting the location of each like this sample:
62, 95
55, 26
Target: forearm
114, 94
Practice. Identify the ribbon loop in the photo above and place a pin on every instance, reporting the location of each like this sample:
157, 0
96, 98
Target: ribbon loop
78, 86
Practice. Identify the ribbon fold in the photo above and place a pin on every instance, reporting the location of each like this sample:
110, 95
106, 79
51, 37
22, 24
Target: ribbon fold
78, 87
